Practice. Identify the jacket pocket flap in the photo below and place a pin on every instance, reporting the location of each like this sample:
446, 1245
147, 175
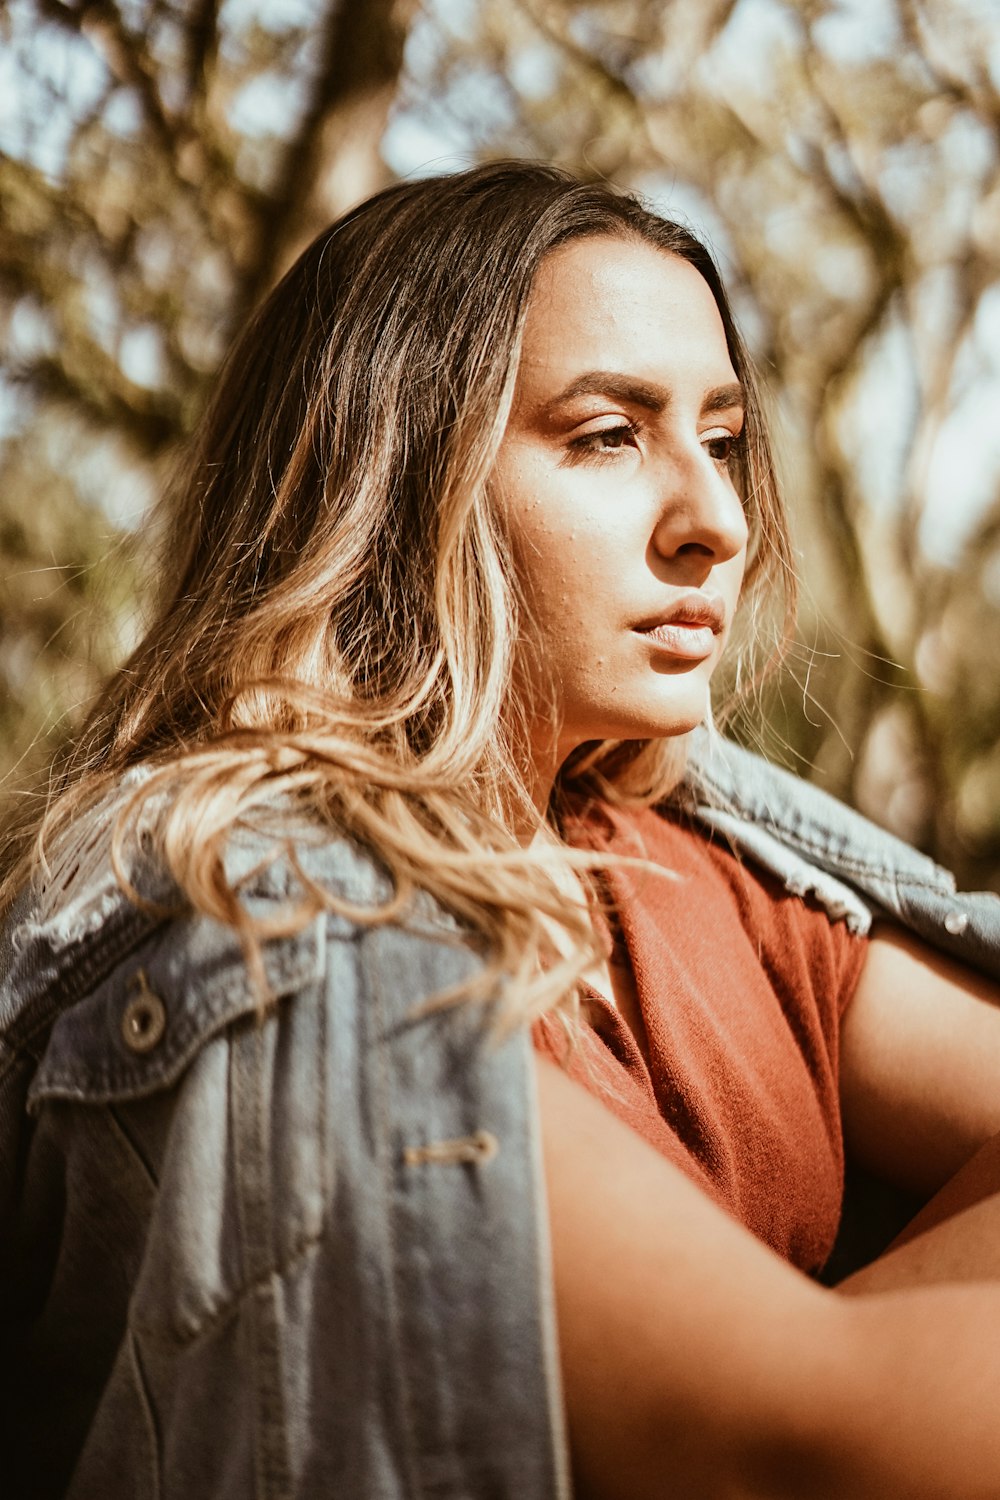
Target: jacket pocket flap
137, 1031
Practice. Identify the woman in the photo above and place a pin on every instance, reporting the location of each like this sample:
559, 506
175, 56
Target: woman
402, 768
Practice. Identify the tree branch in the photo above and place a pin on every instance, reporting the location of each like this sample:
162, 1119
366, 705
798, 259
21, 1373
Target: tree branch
361, 56
101, 22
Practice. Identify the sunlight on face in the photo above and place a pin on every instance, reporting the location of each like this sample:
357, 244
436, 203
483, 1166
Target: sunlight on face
614, 478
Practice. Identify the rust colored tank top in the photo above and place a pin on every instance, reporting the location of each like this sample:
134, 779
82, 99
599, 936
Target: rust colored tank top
741, 987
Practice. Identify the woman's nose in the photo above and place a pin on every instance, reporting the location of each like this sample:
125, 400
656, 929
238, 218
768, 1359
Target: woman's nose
701, 515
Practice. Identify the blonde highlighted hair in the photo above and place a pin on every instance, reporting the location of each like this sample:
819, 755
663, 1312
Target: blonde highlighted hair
339, 611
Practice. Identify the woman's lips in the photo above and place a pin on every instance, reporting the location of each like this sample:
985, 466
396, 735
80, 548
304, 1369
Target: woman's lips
690, 642
688, 628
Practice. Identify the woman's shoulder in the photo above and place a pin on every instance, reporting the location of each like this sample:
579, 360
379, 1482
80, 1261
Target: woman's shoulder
111, 982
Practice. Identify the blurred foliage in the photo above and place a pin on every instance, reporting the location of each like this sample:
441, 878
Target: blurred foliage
165, 159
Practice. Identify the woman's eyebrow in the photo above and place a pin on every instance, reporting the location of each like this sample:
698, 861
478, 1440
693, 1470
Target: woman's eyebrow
724, 398
648, 394
612, 383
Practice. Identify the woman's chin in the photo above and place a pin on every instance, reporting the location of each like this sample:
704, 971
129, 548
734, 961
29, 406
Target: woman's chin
679, 721
683, 712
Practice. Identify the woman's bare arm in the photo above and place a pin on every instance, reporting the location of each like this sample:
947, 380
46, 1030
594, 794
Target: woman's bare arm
696, 1363
920, 1063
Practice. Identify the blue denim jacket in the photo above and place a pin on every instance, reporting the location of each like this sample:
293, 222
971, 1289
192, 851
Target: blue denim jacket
306, 1255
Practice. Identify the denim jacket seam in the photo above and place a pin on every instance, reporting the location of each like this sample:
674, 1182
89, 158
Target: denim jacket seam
820, 853
371, 973
148, 1411
22, 1049
19, 1040
763, 817
171, 1336
842, 862
253, 1158
11, 1057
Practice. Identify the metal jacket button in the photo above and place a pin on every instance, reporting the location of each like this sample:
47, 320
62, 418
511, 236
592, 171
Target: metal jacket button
144, 1019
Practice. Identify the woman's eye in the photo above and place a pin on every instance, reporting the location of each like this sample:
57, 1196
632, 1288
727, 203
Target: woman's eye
724, 446
606, 440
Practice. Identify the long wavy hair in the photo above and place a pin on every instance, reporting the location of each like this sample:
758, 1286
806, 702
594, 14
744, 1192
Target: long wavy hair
339, 613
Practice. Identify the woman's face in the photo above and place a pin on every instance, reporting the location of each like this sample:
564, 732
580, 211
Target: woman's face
614, 477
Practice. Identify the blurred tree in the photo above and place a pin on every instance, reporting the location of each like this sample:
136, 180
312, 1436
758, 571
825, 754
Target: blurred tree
167, 158
164, 162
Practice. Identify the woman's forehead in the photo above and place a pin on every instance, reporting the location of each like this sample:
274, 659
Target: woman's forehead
612, 304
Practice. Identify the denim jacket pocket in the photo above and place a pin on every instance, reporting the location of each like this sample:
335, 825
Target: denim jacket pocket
136, 1032
183, 1049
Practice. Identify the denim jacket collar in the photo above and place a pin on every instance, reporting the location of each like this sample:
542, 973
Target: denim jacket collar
818, 846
